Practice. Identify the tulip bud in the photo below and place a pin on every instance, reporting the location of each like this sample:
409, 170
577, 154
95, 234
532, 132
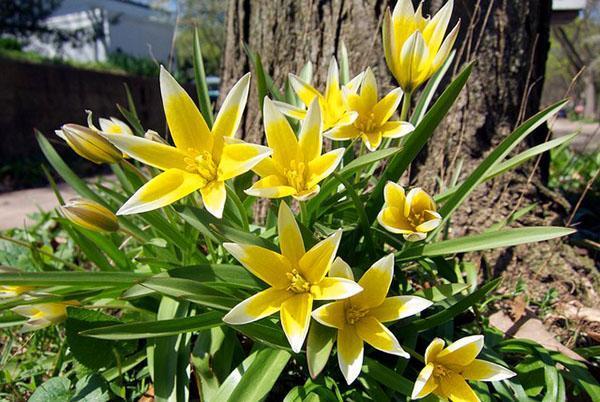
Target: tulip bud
43, 315
154, 136
89, 144
90, 215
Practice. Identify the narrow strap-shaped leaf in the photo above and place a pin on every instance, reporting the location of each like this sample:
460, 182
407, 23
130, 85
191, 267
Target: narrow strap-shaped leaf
78, 279
159, 328
414, 142
201, 86
387, 377
495, 157
486, 241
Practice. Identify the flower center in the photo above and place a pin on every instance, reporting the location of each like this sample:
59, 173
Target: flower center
354, 313
416, 218
295, 174
202, 164
366, 124
440, 371
297, 283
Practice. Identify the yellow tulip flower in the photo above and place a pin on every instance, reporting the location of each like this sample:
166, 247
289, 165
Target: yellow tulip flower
43, 315
360, 318
113, 125
201, 159
13, 291
89, 144
296, 167
90, 215
446, 370
296, 277
373, 122
333, 110
414, 46
413, 215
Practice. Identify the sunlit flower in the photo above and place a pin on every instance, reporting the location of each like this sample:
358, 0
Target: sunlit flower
413, 215
296, 166
296, 277
333, 110
43, 315
89, 144
446, 370
7, 291
360, 318
90, 215
373, 122
113, 125
201, 159
414, 46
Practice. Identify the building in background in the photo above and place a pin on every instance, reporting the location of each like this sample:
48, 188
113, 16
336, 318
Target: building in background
109, 26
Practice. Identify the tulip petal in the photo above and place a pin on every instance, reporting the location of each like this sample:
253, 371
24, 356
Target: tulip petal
267, 265
335, 289
307, 194
332, 86
375, 283
368, 89
188, 128
481, 370
462, 352
455, 388
418, 201
394, 195
434, 348
342, 133
315, 264
149, 152
353, 84
230, 115
398, 307
292, 111
304, 90
331, 314
392, 219
266, 167
431, 224
214, 195
445, 49
340, 269
425, 383
280, 136
377, 335
350, 352
372, 140
413, 62
290, 238
162, 190
321, 167
386, 107
311, 138
396, 129
295, 319
273, 186
436, 28
261, 305
238, 158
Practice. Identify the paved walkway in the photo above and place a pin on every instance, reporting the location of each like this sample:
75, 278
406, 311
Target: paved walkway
587, 141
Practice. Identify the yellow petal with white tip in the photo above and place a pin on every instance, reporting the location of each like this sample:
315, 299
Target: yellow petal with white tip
304, 90
150, 152
315, 264
214, 195
295, 318
292, 111
434, 348
260, 305
377, 335
331, 314
238, 158
228, 119
341, 269
455, 388
273, 186
280, 136
267, 265
425, 383
375, 283
368, 89
350, 352
462, 352
335, 289
310, 138
387, 106
396, 129
399, 307
162, 190
187, 126
290, 238
322, 167
481, 370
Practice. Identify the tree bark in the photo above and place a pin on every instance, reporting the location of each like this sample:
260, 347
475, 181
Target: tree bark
509, 41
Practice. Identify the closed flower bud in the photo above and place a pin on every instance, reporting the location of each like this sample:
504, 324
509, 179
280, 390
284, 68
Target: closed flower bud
89, 144
90, 215
43, 315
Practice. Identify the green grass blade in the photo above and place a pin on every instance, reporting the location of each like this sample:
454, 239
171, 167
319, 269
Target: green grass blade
200, 79
76, 279
387, 377
159, 328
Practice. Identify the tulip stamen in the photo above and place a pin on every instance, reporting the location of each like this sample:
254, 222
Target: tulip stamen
354, 313
297, 283
295, 175
202, 164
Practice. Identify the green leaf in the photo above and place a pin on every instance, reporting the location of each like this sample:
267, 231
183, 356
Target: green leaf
344, 65
414, 142
78, 279
494, 158
85, 350
266, 331
318, 347
441, 292
55, 389
154, 329
387, 376
200, 78
91, 388
486, 241
258, 380
193, 291
429, 91
452, 311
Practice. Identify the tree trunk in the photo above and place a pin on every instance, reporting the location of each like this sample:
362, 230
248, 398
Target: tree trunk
509, 41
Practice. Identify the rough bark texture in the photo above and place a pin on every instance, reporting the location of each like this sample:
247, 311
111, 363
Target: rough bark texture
509, 40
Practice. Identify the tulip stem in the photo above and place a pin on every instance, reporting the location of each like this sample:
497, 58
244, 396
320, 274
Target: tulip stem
303, 213
405, 106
